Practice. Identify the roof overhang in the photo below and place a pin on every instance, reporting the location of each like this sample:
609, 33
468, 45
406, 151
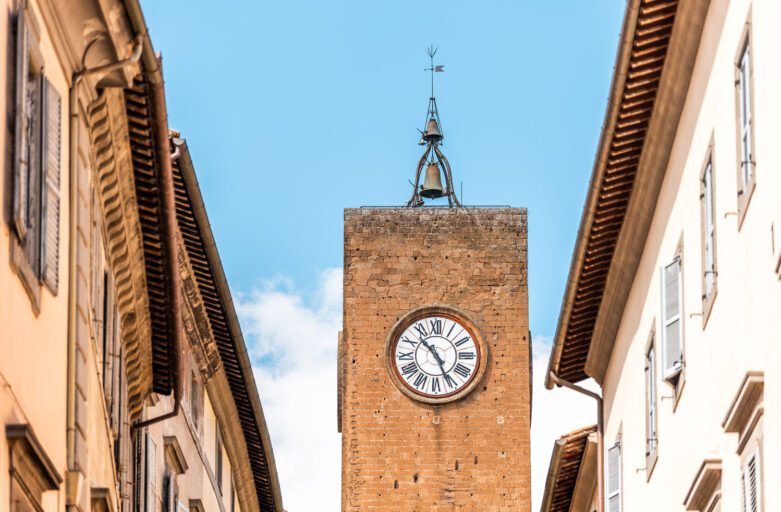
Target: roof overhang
655, 60
233, 380
572, 472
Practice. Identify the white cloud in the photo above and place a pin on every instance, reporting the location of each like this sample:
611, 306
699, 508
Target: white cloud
554, 413
296, 340
295, 336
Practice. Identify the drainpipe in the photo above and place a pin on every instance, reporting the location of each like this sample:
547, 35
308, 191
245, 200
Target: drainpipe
73, 194
164, 160
153, 70
600, 435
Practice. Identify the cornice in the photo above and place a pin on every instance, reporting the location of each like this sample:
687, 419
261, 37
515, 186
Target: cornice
116, 191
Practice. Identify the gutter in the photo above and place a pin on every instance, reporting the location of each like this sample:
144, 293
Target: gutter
164, 157
597, 173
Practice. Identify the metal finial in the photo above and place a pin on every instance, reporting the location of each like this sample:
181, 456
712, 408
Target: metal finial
432, 137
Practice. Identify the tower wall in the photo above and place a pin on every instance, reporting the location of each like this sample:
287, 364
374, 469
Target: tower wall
403, 455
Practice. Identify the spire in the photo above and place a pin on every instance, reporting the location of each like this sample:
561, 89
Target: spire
431, 138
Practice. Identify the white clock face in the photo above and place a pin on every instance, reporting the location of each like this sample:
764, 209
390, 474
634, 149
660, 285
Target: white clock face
436, 356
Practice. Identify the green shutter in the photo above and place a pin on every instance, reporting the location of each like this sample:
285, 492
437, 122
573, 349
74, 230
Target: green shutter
21, 148
50, 175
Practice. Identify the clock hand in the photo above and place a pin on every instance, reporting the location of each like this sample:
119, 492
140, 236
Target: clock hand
436, 356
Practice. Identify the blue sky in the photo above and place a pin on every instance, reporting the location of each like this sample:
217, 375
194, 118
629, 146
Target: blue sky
295, 110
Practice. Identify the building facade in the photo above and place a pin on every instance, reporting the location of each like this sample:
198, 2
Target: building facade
434, 385
673, 293
126, 384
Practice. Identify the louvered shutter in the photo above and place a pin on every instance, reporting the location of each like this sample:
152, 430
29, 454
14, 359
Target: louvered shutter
21, 128
50, 176
671, 318
749, 479
138, 479
149, 498
613, 480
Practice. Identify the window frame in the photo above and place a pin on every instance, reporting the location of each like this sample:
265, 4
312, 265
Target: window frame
745, 56
708, 206
619, 475
676, 380
651, 402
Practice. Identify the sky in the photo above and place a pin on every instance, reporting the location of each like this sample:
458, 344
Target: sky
296, 110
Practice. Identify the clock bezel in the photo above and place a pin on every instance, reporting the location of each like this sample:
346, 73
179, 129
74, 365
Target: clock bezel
417, 314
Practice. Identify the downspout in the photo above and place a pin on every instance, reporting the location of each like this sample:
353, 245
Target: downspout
73, 144
164, 161
600, 435
152, 68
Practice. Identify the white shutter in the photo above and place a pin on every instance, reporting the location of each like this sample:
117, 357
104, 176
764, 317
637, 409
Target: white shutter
50, 177
749, 479
672, 332
613, 480
21, 128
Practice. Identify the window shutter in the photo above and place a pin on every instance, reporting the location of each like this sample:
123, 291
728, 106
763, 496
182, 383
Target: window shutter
749, 479
138, 480
149, 498
21, 118
50, 176
671, 318
614, 478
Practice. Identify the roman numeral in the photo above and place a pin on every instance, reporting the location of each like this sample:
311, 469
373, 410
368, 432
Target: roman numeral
435, 385
404, 356
462, 341
409, 369
466, 355
421, 330
405, 339
436, 327
449, 381
451, 330
420, 381
462, 370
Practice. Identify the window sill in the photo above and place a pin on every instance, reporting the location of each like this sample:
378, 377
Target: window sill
743, 201
707, 305
650, 462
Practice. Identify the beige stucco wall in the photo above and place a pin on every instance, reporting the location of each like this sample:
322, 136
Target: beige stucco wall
32, 347
744, 327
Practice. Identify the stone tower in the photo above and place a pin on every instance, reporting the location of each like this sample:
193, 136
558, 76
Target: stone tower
434, 370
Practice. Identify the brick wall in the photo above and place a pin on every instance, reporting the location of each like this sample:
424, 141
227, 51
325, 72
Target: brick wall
400, 454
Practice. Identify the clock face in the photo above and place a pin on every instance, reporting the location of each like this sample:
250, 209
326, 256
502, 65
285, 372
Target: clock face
435, 356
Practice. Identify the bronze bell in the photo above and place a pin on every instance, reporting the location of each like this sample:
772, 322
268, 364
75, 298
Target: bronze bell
432, 131
432, 185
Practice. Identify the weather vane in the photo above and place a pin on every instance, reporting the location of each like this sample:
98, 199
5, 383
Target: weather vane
432, 137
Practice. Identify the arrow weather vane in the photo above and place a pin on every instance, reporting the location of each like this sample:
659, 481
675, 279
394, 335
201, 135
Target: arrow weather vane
440, 68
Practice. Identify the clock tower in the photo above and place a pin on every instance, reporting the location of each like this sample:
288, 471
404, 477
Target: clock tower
434, 357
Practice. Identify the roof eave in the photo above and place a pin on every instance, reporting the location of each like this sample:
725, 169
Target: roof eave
221, 282
586, 221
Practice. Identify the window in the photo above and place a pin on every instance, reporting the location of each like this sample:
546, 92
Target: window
31, 471
36, 167
195, 400
707, 208
751, 493
218, 458
746, 126
745, 418
672, 321
146, 472
651, 439
614, 480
